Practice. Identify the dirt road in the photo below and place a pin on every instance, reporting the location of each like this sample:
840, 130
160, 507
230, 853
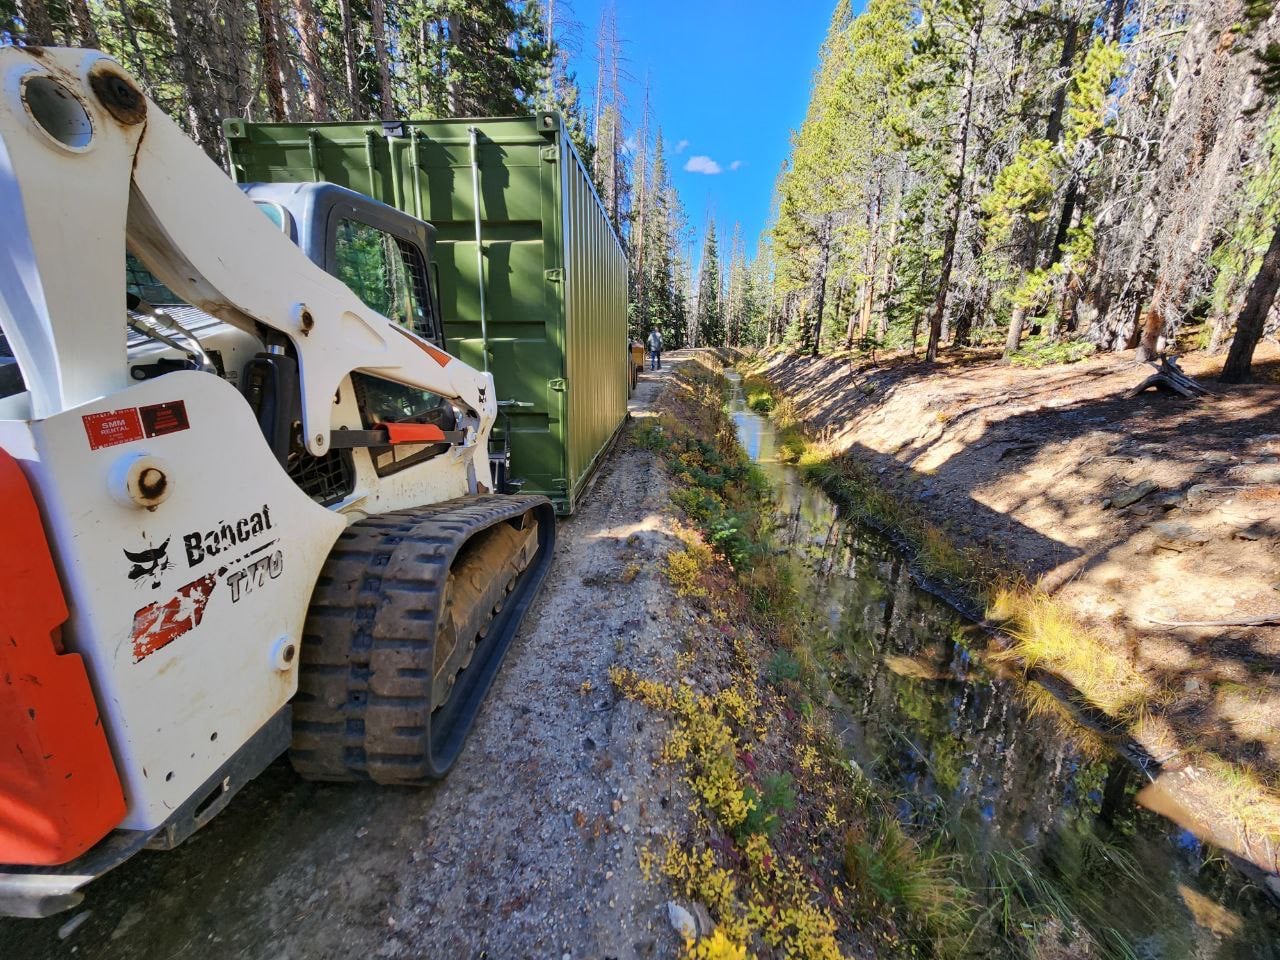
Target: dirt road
527, 849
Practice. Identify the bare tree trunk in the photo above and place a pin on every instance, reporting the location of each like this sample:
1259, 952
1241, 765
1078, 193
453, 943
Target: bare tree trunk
643, 201
601, 47
1262, 294
1071, 292
86, 32
1196, 55
39, 27
959, 158
963, 330
850, 325
1115, 22
139, 61
294, 97
378, 26
822, 290
309, 37
349, 59
890, 264
1069, 40
1016, 322
867, 306
202, 119
270, 57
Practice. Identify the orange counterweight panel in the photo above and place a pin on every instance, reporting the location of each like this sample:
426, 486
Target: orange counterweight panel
59, 790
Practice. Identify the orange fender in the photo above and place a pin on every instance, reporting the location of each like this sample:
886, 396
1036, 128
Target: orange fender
59, 789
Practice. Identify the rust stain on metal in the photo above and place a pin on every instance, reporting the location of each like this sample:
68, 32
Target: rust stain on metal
116, 91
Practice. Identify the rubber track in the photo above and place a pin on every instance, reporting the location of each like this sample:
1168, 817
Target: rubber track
363, 709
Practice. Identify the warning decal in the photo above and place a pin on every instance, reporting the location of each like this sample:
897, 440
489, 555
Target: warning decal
113, 427
161, 418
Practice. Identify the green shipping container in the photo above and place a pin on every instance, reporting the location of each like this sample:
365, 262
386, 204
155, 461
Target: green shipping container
555, 275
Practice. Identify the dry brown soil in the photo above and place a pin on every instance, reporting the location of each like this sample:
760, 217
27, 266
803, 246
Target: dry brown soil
1029, 465
528, 847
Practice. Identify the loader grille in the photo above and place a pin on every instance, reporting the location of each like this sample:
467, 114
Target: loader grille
326, 479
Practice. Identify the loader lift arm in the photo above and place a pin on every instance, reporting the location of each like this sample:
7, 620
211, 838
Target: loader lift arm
129, 174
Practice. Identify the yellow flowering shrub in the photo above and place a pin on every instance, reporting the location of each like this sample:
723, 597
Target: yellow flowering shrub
685, 567
718, 946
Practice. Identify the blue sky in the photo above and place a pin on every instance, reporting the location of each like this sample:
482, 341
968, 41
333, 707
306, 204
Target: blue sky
728, 79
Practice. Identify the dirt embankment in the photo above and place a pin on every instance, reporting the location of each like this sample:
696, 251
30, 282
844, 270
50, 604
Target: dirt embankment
1147, 516
528, 849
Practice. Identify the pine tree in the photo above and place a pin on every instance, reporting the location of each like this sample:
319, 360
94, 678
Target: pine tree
737, 299
711, 329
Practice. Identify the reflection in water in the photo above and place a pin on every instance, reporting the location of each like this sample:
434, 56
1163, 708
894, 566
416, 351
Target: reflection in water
1038, 815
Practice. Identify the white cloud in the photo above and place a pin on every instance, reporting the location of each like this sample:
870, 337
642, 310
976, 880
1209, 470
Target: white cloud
680, 147
629, 144
702, 164
736, 165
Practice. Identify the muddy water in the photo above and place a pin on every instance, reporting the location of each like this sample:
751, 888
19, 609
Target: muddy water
1043, 818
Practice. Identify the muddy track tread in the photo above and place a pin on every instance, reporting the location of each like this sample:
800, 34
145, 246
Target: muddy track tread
363, 709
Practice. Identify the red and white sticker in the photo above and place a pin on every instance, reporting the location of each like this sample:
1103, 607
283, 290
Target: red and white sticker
133, 423
113, 427
159, 624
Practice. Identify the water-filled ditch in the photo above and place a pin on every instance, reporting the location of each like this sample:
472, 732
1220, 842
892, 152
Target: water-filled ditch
1044, 820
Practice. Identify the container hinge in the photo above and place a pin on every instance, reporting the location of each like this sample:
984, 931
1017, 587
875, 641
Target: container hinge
561, 483
553, 276
559, 384
550, 154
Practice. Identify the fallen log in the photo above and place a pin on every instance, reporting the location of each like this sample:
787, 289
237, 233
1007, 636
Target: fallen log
1169, 376
1267, 618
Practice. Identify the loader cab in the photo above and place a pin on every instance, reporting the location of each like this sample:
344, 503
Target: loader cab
385, 257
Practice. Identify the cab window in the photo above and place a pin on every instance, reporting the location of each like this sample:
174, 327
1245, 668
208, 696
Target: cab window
385, 272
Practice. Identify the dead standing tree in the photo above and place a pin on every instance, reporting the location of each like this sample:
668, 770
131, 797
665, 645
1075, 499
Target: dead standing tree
1212, 124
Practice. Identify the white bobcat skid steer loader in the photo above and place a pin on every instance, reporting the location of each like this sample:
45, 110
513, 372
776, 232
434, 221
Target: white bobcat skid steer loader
180, 601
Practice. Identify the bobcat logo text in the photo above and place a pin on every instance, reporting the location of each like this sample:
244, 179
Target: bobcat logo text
225, 536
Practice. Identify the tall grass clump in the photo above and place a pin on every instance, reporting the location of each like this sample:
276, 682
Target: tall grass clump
1047, 636
885, 864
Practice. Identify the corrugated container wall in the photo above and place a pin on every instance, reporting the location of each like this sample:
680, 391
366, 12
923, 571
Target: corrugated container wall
555, 273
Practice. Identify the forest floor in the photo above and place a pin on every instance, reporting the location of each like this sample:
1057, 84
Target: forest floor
529, 848
1136, 516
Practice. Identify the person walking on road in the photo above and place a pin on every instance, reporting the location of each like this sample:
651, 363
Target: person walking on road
655, 350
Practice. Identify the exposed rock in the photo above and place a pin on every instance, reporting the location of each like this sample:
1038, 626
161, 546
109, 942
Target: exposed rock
706, 926
1257, 473
1131, 495
1173, 534
1198, 492
682, 920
